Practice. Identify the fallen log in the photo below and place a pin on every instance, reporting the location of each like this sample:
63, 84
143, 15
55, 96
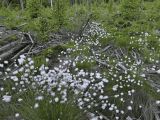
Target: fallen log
7, 39
8, 46
11, 52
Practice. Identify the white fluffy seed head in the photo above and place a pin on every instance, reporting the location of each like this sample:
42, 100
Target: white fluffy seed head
129, 108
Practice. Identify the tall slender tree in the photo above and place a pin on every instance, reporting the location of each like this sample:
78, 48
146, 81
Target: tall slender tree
51, 1
21, 4
72, 2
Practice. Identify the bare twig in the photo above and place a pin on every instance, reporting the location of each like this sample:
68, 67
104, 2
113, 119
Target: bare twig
122, 66
105, 49
135, 56
20, 52
117, 54
101, 62
21, 25
122, 51
30, 49
29, 36
85, 25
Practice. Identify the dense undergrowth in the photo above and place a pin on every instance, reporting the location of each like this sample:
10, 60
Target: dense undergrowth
86, 79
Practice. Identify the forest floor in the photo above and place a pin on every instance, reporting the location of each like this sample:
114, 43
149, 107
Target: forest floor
98, 62
84, 55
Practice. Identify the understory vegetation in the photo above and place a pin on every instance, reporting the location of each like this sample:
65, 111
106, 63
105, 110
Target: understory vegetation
109, 68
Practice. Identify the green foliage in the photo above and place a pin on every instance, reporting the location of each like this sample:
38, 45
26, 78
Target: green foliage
143, 99
106, 41
122, 41
59, 13
131, 10
33, 7
11, 18
151, 91
86, 65
110, 5
126, 22
44, 29
51, 53
32, 25
45, 111
39, 60
76, 16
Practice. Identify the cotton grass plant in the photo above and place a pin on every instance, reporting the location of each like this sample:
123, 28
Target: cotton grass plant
70, 92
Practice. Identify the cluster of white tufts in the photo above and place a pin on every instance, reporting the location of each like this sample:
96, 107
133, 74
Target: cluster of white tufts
94, 29
100, 88
147, 45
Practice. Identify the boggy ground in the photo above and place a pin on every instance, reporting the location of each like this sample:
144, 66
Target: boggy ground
85, 78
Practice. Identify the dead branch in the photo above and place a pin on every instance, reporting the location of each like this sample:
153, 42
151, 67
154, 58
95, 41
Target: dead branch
135, 56
103, 50
117, 54
101, 62
84, 25
122, 51
119, 64
30, 49
20, 52
21, 25
151, 72
154, 85
28, 36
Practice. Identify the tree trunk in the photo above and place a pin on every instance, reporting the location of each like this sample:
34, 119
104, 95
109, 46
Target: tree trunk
72, 2
51, 1
22, 4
